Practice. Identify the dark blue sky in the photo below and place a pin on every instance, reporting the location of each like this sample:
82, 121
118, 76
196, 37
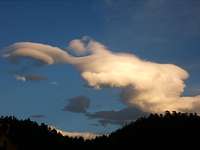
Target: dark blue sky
164, 31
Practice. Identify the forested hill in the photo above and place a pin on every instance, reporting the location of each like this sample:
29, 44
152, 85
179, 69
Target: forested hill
170, 128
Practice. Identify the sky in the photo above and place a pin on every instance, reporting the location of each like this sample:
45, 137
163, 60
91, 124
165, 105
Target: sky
161, 31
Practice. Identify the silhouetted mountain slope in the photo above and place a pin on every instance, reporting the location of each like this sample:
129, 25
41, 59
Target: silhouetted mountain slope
170, 128
175, 128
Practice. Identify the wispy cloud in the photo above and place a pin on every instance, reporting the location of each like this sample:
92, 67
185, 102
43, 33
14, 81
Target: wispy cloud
30, 77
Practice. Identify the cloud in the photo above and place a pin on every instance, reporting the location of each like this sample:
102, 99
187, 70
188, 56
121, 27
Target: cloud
119, 117
78, 104
149, 86
41, 52
84, 135
20, 78
30, 77
78, 46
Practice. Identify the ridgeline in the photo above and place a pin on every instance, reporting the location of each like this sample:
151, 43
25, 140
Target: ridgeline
157, 129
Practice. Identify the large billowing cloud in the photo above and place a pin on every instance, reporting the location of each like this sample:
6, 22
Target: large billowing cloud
150, 86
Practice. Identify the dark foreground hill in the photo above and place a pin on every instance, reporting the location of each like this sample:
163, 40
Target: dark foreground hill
165, 130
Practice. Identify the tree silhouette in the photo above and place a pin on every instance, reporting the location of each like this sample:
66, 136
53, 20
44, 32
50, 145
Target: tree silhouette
169, 128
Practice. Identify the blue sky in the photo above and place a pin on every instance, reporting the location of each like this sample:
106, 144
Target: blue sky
165, 31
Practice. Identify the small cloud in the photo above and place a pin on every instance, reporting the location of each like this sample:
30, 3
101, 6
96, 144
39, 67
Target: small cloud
20, 78
30, 77
78, 104
77, 45
119, 117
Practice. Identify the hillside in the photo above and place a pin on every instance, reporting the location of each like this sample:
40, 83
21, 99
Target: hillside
170, 128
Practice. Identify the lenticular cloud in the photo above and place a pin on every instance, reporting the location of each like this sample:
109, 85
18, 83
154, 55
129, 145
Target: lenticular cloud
150, 86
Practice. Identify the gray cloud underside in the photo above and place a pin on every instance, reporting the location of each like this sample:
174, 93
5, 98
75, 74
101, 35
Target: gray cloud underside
120, 117
78, 104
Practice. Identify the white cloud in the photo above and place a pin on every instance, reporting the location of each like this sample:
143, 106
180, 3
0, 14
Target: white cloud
44, 53
20, 78
150, 86
78, 46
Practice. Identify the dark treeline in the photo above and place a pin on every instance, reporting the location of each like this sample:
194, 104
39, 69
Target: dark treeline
169, 128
